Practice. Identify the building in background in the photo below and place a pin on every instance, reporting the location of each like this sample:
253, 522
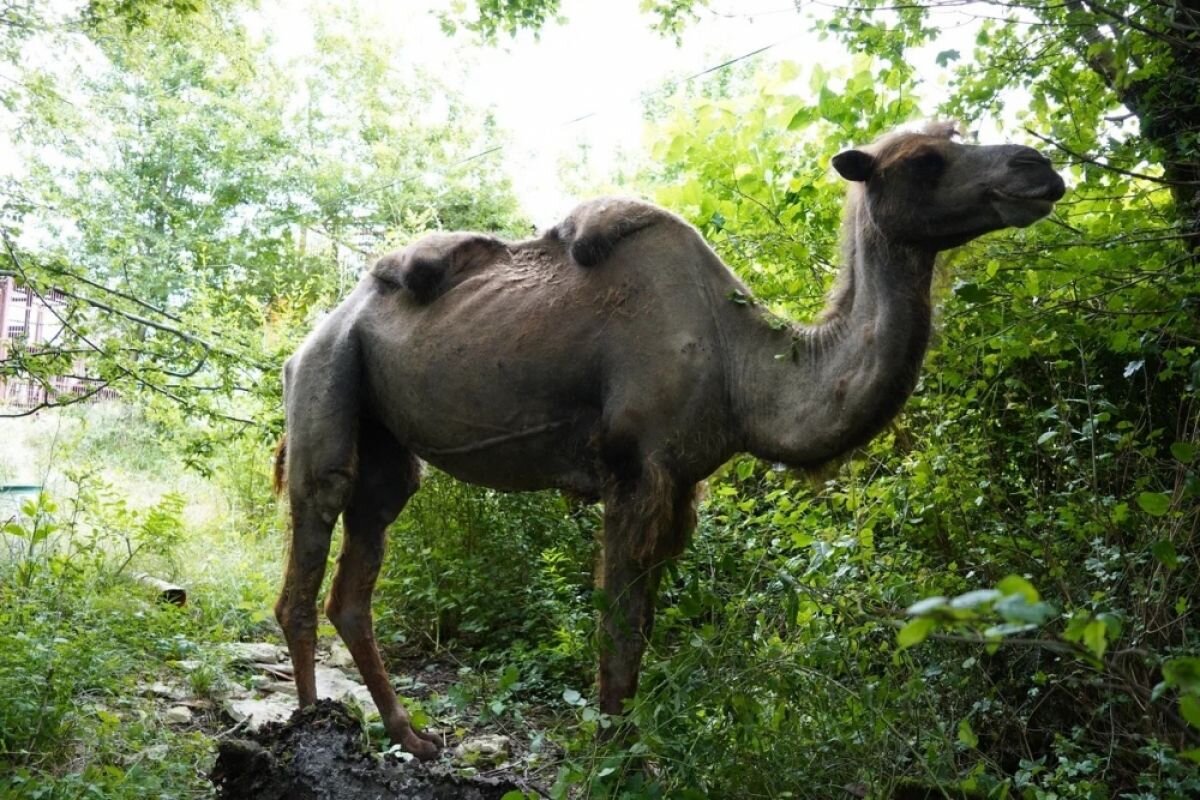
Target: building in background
29, 324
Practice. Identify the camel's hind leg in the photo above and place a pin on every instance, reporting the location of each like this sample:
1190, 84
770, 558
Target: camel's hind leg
388, 475
316, 500
321, 392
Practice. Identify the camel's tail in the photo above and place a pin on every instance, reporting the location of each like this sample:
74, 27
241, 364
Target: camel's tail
279, 482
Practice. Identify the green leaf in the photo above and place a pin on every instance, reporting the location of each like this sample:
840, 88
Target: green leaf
1008, 629
1015, 584
966, 735
1154, 503
1183, 451
802, 118
1047, 436
926, 605
1183, 673
975, 599
829, 104
946, 56
573, 697
914, 632
1015, 608
1095, 637
1189, 709
1164, 551
971, 292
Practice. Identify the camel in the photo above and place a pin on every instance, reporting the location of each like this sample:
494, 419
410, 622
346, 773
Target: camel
615, 357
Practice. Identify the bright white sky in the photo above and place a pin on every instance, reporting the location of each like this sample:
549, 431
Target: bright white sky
599, 63
595, 66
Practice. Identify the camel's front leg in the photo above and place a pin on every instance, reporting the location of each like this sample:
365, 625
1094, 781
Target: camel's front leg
630, 587
643, 529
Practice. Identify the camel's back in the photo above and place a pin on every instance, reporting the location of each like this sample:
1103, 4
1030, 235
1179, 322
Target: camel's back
515, 369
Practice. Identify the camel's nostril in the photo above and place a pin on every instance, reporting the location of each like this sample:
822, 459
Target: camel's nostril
1057, 189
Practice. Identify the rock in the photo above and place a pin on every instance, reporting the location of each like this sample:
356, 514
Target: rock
277, 686
257, 713
177, 715
251, 652
165, 691
487, 750
280, 671
280, 699
339, 656
156, 752
334, 683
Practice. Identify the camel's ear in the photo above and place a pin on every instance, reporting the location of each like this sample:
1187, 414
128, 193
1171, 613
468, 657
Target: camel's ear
854, 165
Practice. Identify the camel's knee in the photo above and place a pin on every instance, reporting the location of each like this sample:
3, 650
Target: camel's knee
297, 617
325, 494
351, 619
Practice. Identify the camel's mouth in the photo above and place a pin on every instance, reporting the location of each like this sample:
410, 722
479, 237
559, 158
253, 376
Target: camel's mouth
1045, 193
1021, 209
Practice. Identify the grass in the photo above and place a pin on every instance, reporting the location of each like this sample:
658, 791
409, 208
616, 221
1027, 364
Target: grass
774, 666
80, 639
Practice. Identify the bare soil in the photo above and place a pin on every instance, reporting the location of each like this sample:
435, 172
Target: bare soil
322, 753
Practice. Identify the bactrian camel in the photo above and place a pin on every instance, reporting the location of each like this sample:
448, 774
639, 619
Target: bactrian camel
606, 359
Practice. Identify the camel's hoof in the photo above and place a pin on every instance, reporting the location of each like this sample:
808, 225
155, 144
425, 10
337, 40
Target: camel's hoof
420, 745
429, 737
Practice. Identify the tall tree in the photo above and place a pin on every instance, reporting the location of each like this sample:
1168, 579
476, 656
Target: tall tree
190, 189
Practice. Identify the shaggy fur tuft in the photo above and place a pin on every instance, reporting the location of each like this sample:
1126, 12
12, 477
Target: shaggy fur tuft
279, 478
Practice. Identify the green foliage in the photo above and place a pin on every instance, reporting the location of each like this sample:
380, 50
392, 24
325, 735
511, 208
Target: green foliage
1030, 513
490, 572
493, 17
196, 202
80, 637
995, 599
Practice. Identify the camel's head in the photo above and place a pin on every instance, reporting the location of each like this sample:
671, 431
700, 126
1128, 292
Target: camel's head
930, 192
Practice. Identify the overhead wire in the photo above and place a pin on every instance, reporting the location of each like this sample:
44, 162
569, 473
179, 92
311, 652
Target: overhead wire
499, 147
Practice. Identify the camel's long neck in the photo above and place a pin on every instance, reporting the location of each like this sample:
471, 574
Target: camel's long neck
807, 394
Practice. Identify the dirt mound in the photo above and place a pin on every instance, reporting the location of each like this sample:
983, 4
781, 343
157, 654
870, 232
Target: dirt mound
321, 753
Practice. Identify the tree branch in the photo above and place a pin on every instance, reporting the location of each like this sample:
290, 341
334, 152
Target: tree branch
1091, 160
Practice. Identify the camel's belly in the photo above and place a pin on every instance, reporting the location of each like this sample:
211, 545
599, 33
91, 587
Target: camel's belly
528, 461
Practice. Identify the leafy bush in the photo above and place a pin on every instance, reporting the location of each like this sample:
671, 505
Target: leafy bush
471, 568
